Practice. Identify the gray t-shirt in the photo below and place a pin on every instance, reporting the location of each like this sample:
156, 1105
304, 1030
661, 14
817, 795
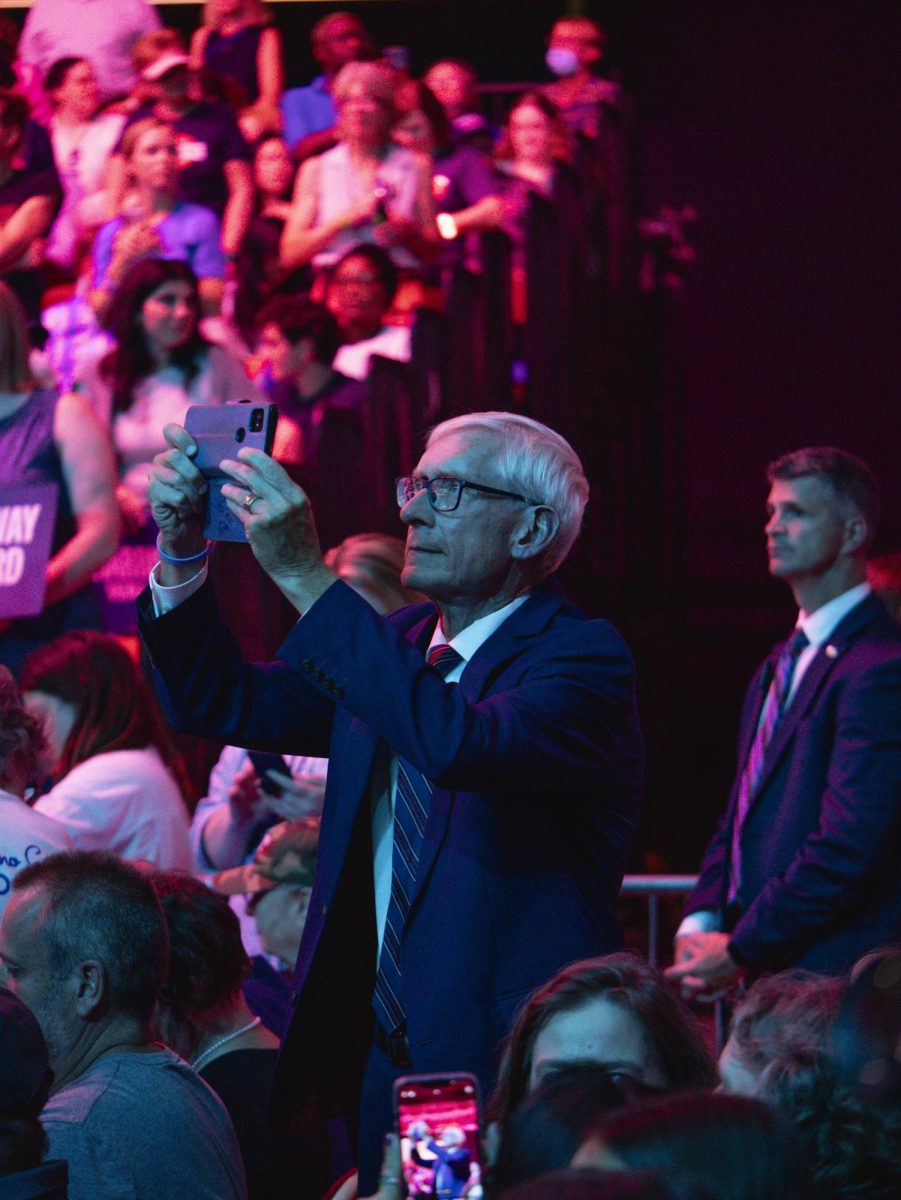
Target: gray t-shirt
144, 1127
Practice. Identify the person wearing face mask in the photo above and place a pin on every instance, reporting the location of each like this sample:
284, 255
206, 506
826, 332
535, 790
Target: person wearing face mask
575, 47
598, 115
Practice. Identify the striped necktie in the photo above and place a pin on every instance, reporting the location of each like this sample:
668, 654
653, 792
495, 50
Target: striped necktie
411, 810
774, 706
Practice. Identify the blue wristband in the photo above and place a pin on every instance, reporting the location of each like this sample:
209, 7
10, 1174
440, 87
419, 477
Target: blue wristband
170, 558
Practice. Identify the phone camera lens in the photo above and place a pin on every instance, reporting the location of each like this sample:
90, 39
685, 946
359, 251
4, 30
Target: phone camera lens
256, 420
240, 434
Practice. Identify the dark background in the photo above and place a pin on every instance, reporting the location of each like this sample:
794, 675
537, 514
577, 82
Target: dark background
776, 120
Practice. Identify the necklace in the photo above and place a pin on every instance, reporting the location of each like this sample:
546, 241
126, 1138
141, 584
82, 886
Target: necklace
205, 1054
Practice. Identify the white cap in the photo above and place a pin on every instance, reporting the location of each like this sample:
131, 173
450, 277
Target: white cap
163, 65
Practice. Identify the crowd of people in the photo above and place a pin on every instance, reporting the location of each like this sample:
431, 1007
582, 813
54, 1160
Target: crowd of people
407, 857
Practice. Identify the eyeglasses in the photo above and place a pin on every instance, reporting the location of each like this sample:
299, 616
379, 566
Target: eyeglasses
444, 492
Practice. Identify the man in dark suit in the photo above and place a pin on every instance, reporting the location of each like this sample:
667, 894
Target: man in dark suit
803, 869
518, 757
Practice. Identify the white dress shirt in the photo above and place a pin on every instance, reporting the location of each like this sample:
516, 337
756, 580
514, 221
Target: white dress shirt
382, 792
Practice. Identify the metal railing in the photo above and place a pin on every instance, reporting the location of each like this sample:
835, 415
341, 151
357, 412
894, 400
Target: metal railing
653, 887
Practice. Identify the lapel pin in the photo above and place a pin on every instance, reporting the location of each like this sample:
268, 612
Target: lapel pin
831, 651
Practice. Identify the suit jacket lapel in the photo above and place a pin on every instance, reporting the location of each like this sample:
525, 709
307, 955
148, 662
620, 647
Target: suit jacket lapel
817, 673
478, 675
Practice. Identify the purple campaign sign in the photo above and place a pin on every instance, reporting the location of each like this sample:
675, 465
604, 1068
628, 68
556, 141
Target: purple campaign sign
27, 517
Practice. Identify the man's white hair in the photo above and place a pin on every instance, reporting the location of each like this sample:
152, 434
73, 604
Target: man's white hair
537, 462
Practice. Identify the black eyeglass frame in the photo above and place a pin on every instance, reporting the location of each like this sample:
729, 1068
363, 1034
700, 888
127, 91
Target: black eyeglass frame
403, 484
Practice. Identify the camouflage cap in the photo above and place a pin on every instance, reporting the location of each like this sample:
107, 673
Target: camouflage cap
287, 854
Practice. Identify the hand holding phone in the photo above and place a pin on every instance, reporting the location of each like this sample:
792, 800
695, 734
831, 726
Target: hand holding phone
219, 432
177, 493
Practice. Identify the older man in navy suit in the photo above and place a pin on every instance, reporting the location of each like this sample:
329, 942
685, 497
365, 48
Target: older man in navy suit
485, 756
803, 870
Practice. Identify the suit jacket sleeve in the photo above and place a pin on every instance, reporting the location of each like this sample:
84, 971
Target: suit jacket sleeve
207, 689
571, 710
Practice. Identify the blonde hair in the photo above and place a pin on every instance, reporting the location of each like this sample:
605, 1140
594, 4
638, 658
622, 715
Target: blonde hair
379, 80
15, 373
134, 133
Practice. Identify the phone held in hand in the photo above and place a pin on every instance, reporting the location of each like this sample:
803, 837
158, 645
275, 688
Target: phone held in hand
263, 761
438, 1121
219, 431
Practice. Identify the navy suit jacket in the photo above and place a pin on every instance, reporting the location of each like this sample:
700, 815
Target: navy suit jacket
821, 843
536, 760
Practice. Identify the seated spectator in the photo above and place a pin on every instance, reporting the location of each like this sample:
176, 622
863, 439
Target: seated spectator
83, 140
57, 440
24, 1088
25, 834
615, 1011
309, 114
297, 343
117, 783
258, 274
204, 1017
29, 199
851, 1144
232, 818
865, 1034
84, 945
359, 295
213, 156
154, 222
731, 1147
276, 885
365, 189
238, 42
551, 1123
784, 1013
103, 33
